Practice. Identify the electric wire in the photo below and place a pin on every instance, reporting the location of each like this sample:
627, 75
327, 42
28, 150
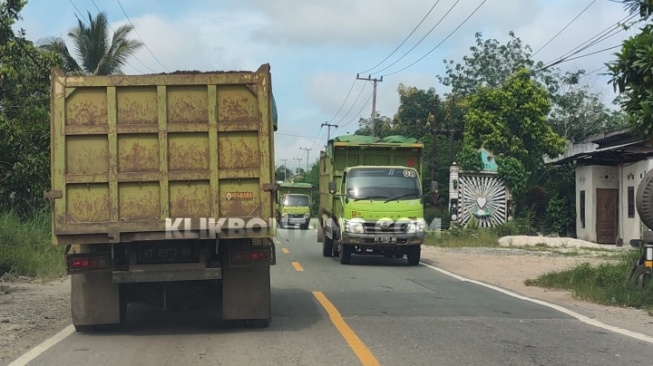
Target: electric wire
361, 110
420, 41
128, 64
139, 36
405, 39
352, 105
438, 45
565, 27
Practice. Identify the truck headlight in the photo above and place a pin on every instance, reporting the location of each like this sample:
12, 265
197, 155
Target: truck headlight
306, 216
416, 227
354, 226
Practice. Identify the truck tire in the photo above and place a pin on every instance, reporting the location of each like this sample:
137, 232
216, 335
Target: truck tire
640, 276
413, 254
345, 254
644, 200
327, 246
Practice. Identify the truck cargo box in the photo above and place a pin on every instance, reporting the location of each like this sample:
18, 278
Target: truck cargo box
129, 152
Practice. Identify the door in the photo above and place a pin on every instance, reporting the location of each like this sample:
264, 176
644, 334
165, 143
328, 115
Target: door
607, 218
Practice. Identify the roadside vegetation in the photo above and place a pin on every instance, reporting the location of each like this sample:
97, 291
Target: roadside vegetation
605, 284
26, 247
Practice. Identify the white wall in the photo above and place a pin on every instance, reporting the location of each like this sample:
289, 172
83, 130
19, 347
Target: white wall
591, 178
631, 176
584, 183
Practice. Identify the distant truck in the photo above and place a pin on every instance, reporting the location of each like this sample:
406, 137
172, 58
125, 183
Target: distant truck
163, 189
370, 198
294, 204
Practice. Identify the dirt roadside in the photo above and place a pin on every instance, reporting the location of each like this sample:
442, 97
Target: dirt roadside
30, 312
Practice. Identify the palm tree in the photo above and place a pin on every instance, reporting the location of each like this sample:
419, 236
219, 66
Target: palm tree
99, 54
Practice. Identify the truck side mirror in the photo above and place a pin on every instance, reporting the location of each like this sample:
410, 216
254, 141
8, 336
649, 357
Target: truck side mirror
332, 187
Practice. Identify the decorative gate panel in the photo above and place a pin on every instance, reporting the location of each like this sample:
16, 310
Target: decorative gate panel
482, 200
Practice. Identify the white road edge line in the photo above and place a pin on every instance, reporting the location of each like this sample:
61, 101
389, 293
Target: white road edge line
582, 318
38, 350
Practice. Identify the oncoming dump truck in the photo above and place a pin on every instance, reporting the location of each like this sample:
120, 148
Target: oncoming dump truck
370, 198
162, 189
294, 204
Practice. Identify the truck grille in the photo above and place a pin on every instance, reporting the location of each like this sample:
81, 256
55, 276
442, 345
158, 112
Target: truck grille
374, 228
296, 216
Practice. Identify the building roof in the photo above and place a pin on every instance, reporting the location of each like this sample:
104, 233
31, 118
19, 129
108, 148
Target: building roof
611, 148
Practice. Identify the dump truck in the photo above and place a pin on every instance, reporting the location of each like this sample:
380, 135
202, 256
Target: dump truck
294, 204
163, 189
371, 198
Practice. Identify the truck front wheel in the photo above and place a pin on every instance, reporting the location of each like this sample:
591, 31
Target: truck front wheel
413, 254
345, 253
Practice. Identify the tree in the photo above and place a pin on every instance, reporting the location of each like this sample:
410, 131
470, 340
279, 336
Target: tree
576, 112
511, 122
98, 52
490, 64
282, 173
632, 71
24, 116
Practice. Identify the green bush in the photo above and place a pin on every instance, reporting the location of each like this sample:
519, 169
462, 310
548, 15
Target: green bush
26, 248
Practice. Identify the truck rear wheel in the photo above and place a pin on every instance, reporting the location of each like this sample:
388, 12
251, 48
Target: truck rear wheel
413, 254
327, 246
644, 199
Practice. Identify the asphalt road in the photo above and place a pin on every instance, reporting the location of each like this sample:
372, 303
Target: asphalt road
376, 311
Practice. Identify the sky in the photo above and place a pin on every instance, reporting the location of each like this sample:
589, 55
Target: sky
316, 49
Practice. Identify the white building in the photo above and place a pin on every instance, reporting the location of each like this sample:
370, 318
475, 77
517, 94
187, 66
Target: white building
609, 169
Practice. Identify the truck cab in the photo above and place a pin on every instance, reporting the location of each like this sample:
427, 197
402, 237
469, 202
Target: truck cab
294, 205
371, 198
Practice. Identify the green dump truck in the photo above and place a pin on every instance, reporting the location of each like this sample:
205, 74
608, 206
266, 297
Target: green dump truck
163, 189
294, 204
371, 198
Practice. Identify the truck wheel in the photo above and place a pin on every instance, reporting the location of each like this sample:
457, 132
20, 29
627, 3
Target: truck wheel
327, 247
345, 254
644, 199
640, 277
413, 254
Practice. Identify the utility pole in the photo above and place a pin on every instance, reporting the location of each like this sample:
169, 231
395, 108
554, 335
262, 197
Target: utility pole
300, 162
374, 82
307, 150
328, 129
285, 169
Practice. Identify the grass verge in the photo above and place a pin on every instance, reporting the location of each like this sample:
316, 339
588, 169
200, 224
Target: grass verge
604, 284
26, 248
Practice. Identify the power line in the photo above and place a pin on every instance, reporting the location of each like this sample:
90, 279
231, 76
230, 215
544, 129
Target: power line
22, 46
420, 41
565, 27
139, 36
344, 101
359, 112
128, 64
287, 134
404, 41
438, 45
353, 104
78, 12
598, 38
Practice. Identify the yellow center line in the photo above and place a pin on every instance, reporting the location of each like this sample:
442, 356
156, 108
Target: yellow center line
285, 250
297, 266
362, 352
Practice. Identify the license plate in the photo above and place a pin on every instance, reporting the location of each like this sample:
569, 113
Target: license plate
385, 239
151, 254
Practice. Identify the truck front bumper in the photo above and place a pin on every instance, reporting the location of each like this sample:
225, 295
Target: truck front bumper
383, 239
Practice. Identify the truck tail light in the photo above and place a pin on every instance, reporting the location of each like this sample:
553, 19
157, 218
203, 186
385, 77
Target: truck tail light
87, 262
252, 256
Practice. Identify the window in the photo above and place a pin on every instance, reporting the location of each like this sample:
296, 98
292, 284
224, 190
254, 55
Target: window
582, 209
631, 202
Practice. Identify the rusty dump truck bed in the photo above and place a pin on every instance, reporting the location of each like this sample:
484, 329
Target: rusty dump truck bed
128, 152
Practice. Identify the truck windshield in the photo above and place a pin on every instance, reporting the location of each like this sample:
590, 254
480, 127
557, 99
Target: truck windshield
291, 200
383, 184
